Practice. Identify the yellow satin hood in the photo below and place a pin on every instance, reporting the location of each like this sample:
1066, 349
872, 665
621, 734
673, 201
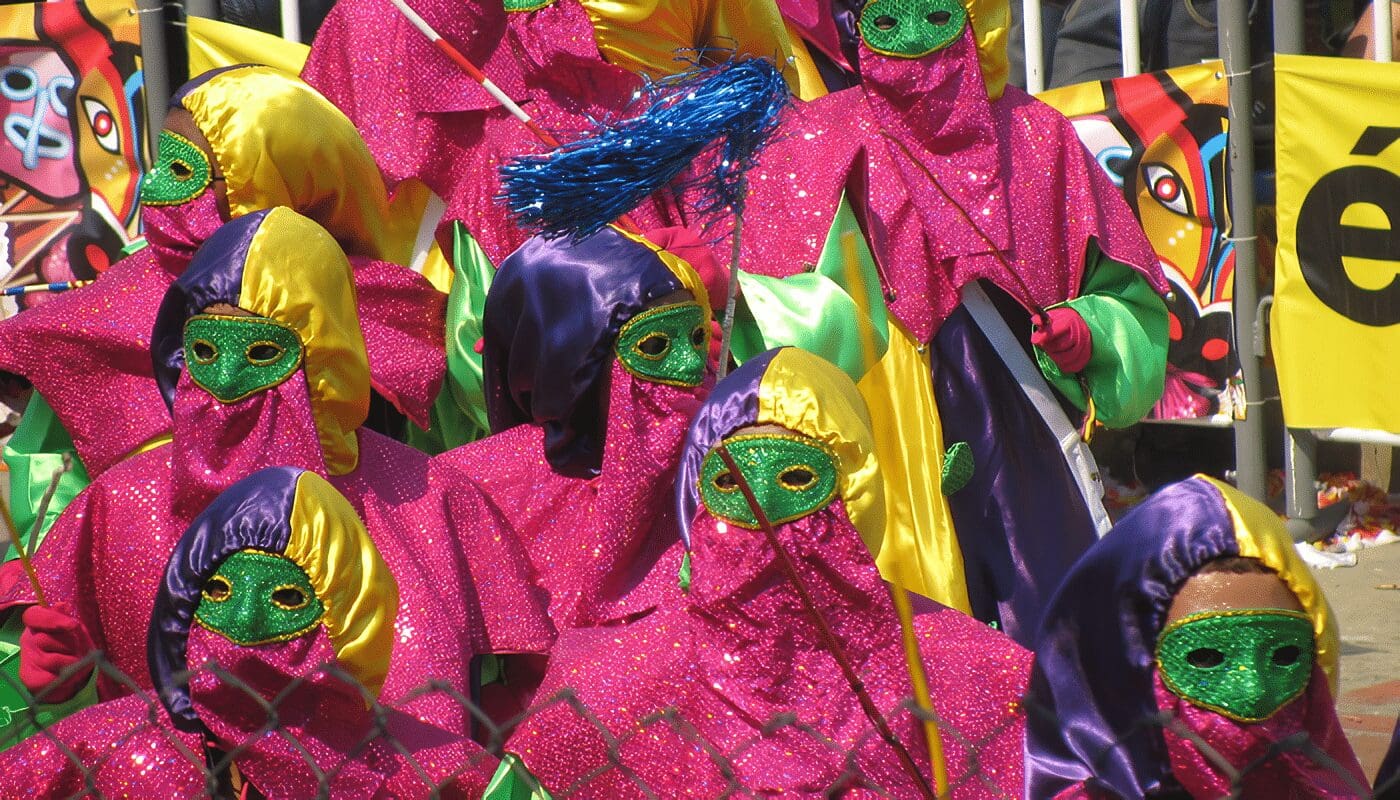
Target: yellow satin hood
296, 273
810, 395
278, 142
359, 594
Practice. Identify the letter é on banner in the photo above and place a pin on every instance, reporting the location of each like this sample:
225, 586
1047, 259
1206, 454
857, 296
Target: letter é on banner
1325, 241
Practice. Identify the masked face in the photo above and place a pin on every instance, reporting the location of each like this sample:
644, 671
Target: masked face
666, 344
792, 476
181, 173
234, 357
1244, 663
257, 598
911, 28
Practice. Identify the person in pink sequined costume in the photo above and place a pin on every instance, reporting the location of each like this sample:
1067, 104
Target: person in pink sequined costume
596, 356
275, 595
728, 685
1190, 653
292, 394
235, 142
972, 214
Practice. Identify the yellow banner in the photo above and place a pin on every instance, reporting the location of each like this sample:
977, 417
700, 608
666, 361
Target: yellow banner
1336, 317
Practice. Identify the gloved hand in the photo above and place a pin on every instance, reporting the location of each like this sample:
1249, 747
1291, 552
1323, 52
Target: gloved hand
1065, 337
52, 641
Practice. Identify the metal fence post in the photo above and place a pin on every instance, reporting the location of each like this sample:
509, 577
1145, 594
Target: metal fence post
1034, 46
1250, 467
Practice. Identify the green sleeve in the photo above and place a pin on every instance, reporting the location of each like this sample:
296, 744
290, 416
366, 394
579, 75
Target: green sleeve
1128, 323
33, 454
836, 310
459, 412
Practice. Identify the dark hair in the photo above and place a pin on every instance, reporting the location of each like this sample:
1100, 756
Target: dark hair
1236, 565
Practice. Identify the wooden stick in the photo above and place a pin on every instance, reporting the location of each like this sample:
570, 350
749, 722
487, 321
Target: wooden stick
23, 553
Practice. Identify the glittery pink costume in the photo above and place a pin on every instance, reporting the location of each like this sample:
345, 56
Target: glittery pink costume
129, 748
465, 587
1291, 775
1019, 185
427, 119
694, 684
594, 541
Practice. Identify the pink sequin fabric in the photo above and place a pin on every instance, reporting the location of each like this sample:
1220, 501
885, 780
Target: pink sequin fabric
424, 118
130, 749
594, 542
108, 551
730, 685
1286, 775
950, 188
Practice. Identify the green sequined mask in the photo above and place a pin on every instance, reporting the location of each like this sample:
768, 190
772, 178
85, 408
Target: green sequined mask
234, 357
911, 28
181, 172
1244, 664
791, 477
666, 344
257, 598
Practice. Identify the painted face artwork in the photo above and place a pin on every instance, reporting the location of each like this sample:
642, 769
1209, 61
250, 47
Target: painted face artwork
1243, 663
791, 476
234, 357
666, 344
181, 173
258, 598
912, 28
36, 91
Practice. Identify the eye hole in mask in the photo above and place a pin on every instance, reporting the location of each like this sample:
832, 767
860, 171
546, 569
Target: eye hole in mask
1245, 664
791, 476
667, 344
911, 28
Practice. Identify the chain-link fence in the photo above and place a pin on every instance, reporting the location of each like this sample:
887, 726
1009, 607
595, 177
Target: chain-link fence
324, 735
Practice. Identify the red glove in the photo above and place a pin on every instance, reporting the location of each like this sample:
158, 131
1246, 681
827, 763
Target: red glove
684, 243
52, 641
1065, 337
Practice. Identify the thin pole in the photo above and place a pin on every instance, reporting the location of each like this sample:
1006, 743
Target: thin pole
1385, 31
155, 66
1130, 37
1288, 26
1250, 465
726, 338
291, 19
1035, 46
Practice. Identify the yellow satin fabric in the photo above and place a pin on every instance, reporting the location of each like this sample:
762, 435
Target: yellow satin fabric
686, 274
809, 395
991, 22
350, 578
1261, 535
280, 143
296, 274
921, 551
642, 36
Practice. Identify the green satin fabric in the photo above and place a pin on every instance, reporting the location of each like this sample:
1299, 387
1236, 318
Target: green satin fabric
836, 311
33, 454
1128, 363
513, 781
459, 413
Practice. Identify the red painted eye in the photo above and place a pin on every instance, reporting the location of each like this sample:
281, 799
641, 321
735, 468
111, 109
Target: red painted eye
102, 123
104, 126
1165, 186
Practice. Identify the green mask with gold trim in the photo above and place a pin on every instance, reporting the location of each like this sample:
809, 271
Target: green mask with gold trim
1245, 664
667, 344
234, 357
911, 28
791, 476
181, 172
257, 598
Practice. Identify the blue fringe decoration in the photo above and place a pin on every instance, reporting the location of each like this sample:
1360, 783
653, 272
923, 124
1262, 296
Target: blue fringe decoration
581, 187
